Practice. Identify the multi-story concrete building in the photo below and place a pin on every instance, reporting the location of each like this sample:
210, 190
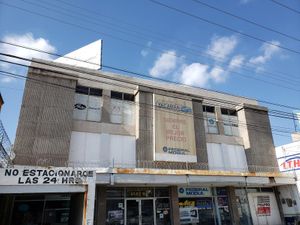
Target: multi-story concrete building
6, 153
156, 153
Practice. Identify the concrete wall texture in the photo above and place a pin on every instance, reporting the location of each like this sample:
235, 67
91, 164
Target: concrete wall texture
46, 123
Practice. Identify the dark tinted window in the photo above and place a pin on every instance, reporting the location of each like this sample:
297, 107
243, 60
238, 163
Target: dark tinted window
207, 108
116, 95
128, 97
82, 90
95, 91
230, 112
161, 192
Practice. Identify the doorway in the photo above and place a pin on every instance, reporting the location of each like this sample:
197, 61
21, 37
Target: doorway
140, 212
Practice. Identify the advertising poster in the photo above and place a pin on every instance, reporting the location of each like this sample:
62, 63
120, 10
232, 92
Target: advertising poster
174, 130
263, 206
189, 215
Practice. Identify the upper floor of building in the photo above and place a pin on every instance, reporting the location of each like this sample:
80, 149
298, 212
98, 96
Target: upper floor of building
80, 117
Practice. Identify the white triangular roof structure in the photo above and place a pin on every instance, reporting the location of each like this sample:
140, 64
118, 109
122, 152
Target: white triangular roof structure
88, 56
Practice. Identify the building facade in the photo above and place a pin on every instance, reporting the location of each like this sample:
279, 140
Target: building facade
117, 150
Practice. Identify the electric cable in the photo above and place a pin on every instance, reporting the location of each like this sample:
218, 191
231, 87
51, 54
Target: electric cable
223, 26
246, 20
276, 76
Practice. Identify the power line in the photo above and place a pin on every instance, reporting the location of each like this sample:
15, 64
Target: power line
146, 76
285, 6
275, 77
246, 20
240, 123
223, 26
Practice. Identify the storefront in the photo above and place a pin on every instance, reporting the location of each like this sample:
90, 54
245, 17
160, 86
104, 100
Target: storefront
41, 209
46, 196
204, 205
137, 206
153, 206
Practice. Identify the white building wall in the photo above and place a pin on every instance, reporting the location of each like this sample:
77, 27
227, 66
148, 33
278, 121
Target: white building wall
102, 150
226, 157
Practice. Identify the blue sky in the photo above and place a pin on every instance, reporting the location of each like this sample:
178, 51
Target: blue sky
147, 38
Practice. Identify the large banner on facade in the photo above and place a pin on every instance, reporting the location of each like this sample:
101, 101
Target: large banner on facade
174, 130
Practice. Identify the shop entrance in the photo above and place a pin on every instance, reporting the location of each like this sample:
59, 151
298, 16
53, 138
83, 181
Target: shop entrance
140, 212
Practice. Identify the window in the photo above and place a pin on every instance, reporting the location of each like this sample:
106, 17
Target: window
226, 157
210, 122
230, 122
88, 104
122, 108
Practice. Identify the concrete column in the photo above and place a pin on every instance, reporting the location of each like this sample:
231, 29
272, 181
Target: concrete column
175, 215
277, 196
255, 129
234, 214
90, 204
200, 135
101, 206
219, 119
106, 106
144, 143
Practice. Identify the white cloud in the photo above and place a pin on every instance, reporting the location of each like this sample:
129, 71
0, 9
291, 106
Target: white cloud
7, 79
164, 64
29, 41
195, 74
236, 62
218, 74
221, 47
268, 51
145, 51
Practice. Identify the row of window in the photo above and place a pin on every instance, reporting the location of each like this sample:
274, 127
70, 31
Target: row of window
98, 92
229, 118
89, 102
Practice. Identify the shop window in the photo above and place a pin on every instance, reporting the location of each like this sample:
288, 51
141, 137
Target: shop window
88, 104
230, 122
115, 211
122, 108
115, 193
210, 121
163, 211
162, 192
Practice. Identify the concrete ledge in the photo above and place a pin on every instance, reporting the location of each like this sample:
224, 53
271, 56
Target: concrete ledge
250, 106
224, 139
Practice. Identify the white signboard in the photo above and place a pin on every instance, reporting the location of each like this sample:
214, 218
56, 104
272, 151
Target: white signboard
194, 191
45, 176
289, 163
189, 215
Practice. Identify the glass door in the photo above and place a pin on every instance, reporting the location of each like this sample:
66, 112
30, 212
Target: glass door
140, 212
147, 212
133, 212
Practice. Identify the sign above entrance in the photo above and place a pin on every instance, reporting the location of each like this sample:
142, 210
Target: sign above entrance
194, 191
44, 176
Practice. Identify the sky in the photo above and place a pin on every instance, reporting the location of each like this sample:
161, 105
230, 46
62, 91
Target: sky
208, 46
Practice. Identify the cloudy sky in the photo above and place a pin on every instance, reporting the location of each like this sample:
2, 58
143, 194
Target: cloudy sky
247, 47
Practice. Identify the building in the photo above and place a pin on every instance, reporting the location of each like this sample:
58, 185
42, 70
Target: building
6, 154
93, 147
288, 157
